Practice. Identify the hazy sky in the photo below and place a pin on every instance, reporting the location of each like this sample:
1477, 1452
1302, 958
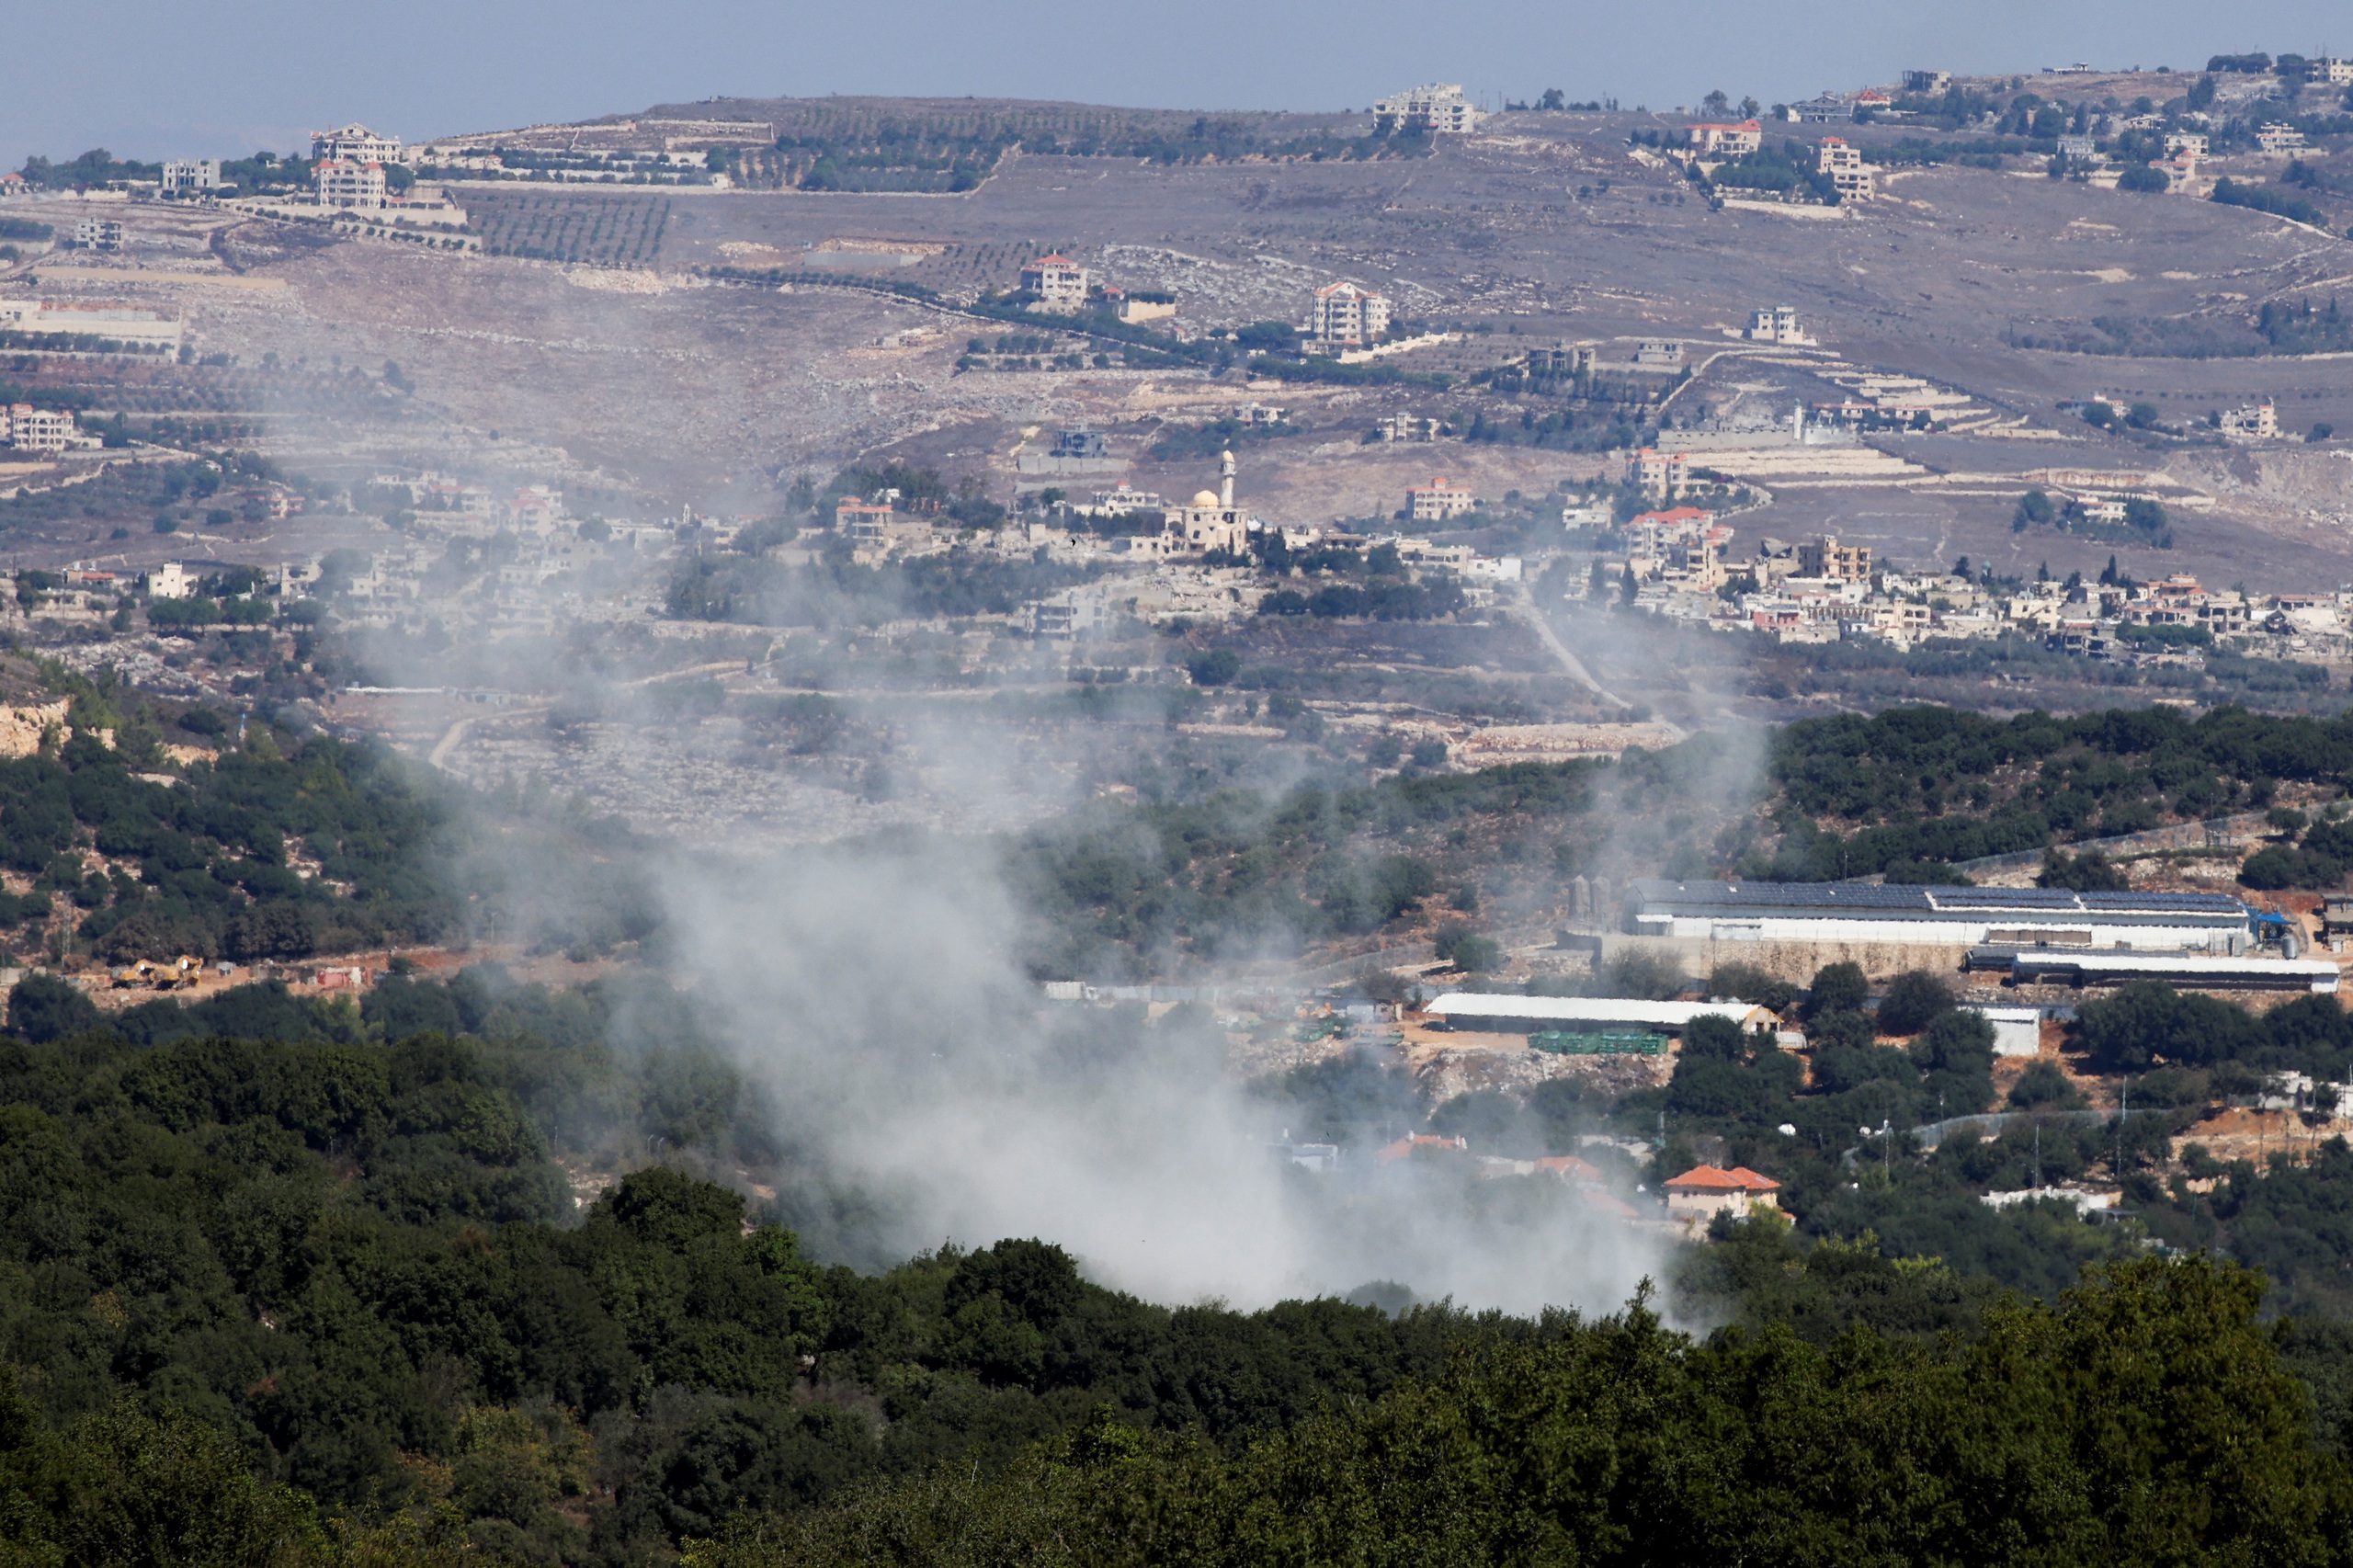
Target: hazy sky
148, 79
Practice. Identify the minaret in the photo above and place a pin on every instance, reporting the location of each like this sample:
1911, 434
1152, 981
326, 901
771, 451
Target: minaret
1225, 485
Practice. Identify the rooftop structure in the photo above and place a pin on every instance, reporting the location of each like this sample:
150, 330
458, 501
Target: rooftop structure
1825, 557
1498, 1013
1438, 108
1965, 916
355, 144
2055, 966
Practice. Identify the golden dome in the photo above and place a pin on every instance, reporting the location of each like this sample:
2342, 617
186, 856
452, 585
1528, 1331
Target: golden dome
1206, 498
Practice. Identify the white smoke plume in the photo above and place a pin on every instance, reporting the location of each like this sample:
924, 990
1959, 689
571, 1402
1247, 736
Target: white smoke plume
875, 995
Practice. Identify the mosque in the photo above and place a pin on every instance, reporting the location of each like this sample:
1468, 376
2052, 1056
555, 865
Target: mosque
1212, 522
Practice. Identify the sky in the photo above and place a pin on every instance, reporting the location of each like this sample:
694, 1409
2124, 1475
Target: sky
149, 80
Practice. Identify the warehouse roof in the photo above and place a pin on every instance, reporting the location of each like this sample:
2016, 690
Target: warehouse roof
1899, 902
1594, 1010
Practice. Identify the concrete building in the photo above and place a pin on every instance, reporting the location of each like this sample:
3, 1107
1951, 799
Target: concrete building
1658, 353
344, 183
98, 234
1777, 323
94, 319
1058, 283
1843, 162
1927, 81
1825, 557
2329, 68
2190, 142
1345, 316
1948, 916
31, 429
2256, 422
355, 144
1135, 307
1718, 140
1561, 360
191, 176
1702, 1193
2280, 138
171, 581
1415, 427
1662, 474
1438, 108
1438, 501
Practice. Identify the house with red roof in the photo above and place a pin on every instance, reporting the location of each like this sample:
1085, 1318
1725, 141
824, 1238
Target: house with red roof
1702, 1193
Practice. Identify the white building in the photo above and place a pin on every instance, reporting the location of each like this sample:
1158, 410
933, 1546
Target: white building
1843, 162
341, 182
2336, 71
1212, 523
1345, 316
1718, 140
1439, 107
355, 144
171, 581
191, 176
1059, 283
2190, 142
1438, 501
31, 429
98, 234
1778, 324
1658, 353
2276, 137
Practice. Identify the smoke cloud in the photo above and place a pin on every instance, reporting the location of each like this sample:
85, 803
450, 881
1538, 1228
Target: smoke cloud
928, 1096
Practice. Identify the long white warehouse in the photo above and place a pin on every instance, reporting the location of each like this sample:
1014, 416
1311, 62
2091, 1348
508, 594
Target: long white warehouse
1862, 912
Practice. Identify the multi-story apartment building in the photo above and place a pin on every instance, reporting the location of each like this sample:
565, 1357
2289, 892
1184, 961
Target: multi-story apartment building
1059, 283
355, 144
1343, 315
1439, 107
1843, 162
191, 176
343, 182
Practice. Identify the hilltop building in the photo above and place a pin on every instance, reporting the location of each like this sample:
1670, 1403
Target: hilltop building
1058, 283
191, 176
1927, 81
1345, 316
1777, 323
1438, 108
98, 234
355, 144
1717, 140
31, 429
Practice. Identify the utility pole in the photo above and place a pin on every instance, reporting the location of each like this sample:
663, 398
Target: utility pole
2125, 1110
2038, 1154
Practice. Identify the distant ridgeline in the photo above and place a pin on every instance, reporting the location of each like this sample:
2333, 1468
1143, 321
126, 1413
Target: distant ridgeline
951, 144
